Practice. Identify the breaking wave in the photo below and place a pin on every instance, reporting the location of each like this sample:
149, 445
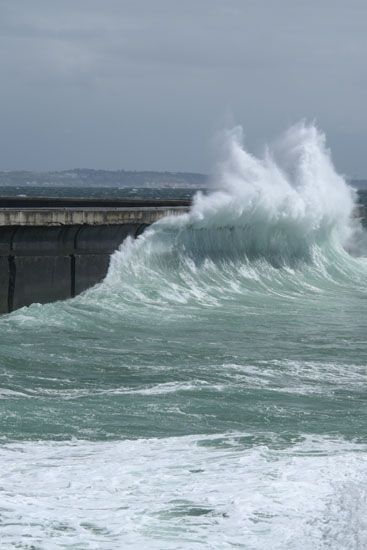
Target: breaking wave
274, 222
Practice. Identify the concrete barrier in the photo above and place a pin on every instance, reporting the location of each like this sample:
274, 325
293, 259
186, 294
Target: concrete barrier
54, 253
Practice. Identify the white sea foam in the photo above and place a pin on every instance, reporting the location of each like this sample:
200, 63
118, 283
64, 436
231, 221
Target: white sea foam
194, 492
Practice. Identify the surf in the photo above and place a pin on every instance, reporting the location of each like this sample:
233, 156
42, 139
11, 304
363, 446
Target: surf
278, 221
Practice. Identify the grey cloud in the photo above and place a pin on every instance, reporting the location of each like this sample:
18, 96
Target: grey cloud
143, 84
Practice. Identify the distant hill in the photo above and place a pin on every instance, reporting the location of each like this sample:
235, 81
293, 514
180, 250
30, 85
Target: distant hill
80, 177
85, 177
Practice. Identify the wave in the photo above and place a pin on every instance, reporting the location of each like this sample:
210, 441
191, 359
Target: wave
274, 227
283, 222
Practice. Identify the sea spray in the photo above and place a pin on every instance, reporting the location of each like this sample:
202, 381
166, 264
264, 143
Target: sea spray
289, 209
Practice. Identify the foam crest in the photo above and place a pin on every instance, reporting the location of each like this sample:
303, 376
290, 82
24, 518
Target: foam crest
292, 188
288, 209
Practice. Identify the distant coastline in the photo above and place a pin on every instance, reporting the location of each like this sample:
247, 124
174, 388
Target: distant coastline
85, 177
81, 177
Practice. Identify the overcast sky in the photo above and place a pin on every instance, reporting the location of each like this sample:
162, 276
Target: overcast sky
147, 84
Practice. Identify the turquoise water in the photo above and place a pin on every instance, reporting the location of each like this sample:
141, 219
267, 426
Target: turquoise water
211, 392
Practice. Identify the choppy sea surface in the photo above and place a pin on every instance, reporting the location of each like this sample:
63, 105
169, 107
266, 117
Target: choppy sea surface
212, 391
98, 192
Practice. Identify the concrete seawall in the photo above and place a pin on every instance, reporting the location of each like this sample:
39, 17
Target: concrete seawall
54, 249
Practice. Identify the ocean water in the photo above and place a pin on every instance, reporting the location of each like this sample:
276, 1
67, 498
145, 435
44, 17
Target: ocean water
101, 192
211, 391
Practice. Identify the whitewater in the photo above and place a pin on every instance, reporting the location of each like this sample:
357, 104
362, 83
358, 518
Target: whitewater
211, 391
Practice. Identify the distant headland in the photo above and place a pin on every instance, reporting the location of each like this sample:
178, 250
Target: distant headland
86, 177
80, 177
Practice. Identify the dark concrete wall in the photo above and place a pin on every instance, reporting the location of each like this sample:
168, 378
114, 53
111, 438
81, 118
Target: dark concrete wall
44, 264
4, 283
40, 279
89, 269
